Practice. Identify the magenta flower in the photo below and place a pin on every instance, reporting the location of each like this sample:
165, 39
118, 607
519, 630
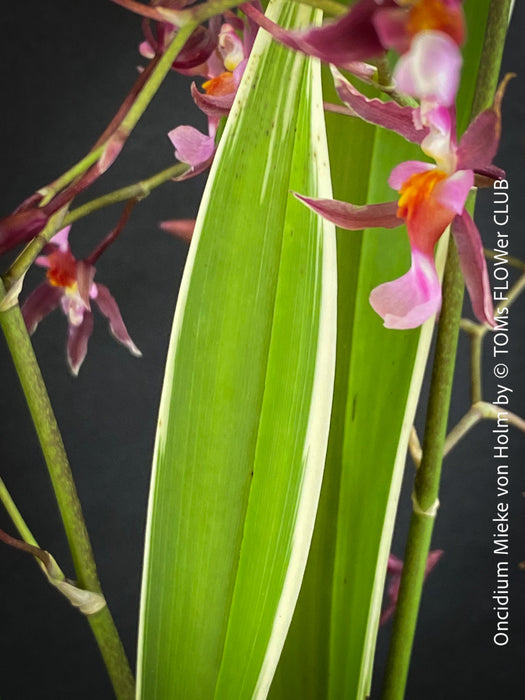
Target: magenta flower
430, 69
70, 285
432, 197
223, 70
192, 147
397, 26
368, 29
394, 570
345, 42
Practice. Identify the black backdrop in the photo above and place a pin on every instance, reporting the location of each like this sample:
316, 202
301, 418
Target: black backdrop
65, 67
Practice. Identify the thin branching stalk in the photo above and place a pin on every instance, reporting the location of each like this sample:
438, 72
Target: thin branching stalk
44, 420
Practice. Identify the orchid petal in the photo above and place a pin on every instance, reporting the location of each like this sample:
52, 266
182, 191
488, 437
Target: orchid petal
430, 69
193, 172
395, 569
85, 275
41, 302
350, 38
21, 227
212, 105
474, 267
485, 177
391, 27
453, 191
403, 171
60, 239
440, 143
196, 51
182, 228
77, 342
387, 114
239, 71
43, 261
251, 29
191, 146
108, 307
480, 141
395, 565
354, 218
230, 47
146, 50
409, 301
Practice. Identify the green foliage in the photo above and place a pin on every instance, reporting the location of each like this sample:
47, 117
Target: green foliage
246, 402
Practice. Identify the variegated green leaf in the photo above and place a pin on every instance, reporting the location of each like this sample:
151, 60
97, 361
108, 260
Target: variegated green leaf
246, 401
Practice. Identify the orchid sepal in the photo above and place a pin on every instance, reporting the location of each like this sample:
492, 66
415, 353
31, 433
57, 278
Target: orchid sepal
474, 267
390, 115
352, 217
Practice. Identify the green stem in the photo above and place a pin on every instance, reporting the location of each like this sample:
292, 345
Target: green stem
138, 190
57, 462
426, 483
16, 516
476, 345
426, 486
32, 250
134, 113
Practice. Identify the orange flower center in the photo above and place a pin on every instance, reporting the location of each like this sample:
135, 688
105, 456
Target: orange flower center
435, 15
223, 84
62, 269
416, 191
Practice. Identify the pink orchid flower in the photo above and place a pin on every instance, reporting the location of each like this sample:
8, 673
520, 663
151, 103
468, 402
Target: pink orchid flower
394, 570
368, 29
432, 197
70, 284
397, 26
223, 70
196, 50
430, 69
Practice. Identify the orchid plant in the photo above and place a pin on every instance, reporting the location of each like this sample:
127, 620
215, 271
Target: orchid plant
296, 362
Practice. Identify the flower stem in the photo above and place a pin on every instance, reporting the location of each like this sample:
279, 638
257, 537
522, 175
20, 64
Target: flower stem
129, 117
426, 485
16, 516
138, 190
54, 452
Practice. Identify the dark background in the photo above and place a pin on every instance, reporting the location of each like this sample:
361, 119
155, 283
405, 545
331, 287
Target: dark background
65, 69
